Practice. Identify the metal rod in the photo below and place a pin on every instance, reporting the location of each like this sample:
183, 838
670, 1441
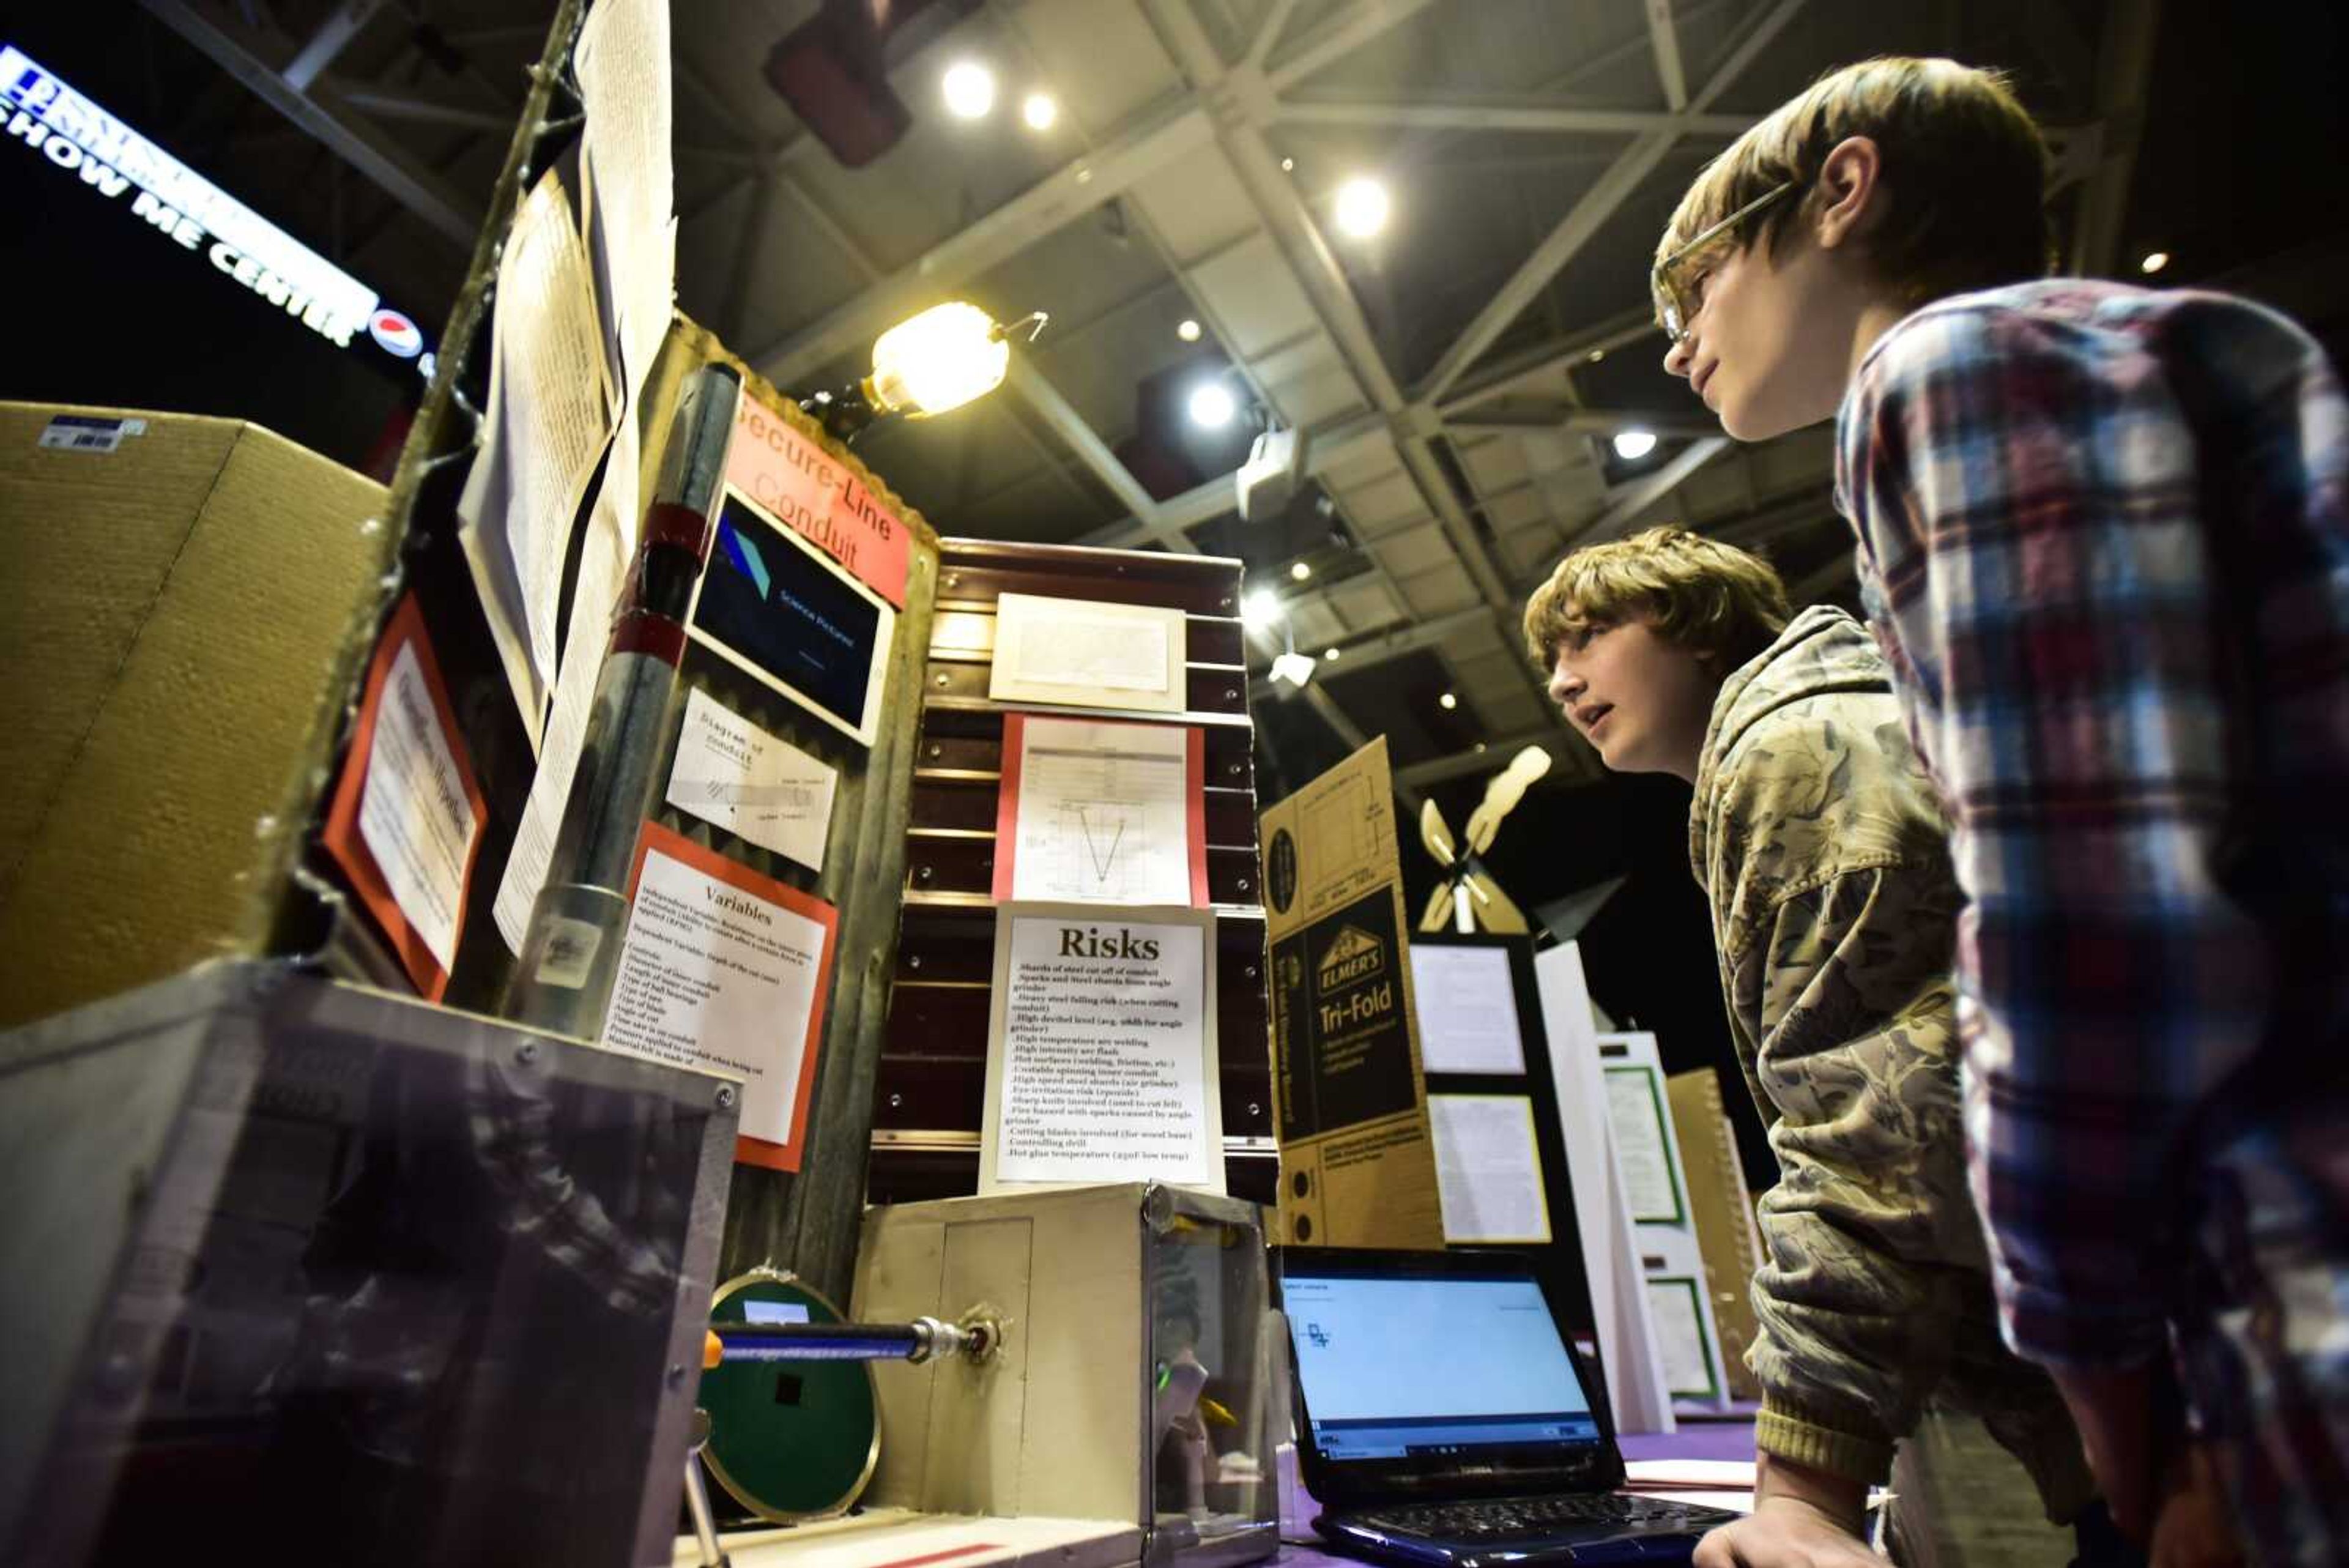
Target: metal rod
571, 953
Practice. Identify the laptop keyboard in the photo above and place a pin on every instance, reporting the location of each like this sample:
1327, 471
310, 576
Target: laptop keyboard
1499, 1518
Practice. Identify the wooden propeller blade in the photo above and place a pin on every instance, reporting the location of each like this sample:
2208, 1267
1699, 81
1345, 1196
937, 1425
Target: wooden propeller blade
1438, 913
1434, 835
1495, 909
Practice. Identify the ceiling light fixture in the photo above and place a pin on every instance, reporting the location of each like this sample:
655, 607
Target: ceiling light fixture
1292, 669
1259, 609
1633, 445
1288, 166
1596, 354
1041, 110
1330, 655
969, 89
1447, 702
1211, 405
1187, 330
1299, 571
940, 360
1362, 207
2153, 263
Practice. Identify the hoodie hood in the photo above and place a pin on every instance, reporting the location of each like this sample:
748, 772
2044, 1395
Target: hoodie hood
1822, 652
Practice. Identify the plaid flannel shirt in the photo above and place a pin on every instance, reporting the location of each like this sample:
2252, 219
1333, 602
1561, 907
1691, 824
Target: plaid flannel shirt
2102, 534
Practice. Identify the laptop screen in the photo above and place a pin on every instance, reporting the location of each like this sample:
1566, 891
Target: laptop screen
1403, 1365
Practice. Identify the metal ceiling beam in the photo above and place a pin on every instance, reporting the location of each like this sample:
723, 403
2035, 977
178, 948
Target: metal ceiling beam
1420, 114
1148, 143
342, 24
1610, 192
1328, 291
380, 103
419, 189
1664, 40
1269, 32
2124, 70
1567, 763
1030, 386
1583, 422
1543, 359
1386, 647
1341, 36
1647, 491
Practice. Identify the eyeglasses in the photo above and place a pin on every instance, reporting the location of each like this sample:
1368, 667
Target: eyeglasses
1675, 279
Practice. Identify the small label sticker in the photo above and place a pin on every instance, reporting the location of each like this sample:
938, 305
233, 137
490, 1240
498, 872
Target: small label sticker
570, 952
79, 432
774, 1311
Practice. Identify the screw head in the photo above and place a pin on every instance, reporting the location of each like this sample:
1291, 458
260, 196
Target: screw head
725, 1097
895, 1101
912, 961
526, 1053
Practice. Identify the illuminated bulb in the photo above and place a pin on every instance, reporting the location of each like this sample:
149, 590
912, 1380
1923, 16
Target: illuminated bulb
1633, 445
969, 89
1330, 655
1211, 405
937, 360
1596, 354
1259, 609
1480, 746
1039, 110
1299, 571
1363, 208
2153, 263
1187, 330
1289, 165
1447, 702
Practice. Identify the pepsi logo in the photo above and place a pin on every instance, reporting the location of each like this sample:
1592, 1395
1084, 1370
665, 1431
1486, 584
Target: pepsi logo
396, 333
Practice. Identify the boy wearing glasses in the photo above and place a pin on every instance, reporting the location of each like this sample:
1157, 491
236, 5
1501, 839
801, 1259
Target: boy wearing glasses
2102, 535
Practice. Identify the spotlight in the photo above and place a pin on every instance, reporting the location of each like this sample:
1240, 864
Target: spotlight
1211, 405
1299, 571
1362, 207
1633, 445
1039, 110
2153, 263
969, 89
1259, 609
1187, 330
1447, 702
925, 365
1596, 354
1288, 166
1292, 669
1330, 655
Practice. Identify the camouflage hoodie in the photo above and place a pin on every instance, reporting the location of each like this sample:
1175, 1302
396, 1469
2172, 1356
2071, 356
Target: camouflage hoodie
1815, 834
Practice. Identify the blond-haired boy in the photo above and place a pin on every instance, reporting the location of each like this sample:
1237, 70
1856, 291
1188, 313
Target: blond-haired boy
2102, 537
1824, 860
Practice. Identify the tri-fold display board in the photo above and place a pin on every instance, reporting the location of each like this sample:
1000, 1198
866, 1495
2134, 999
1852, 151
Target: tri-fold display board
1080, 987
758, 880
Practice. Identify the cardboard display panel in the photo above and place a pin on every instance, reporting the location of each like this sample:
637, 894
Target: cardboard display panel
189, 603
1357, 1161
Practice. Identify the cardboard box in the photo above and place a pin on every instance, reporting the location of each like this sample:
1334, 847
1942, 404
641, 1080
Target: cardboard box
187, 601
1357, 1163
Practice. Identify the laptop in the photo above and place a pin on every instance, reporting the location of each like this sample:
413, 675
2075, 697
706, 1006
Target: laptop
1441, 1418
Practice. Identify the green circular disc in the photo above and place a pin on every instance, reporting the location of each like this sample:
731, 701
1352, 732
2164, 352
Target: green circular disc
793, 1440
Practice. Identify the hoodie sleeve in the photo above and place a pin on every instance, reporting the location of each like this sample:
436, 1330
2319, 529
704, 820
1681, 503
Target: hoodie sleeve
1835, 911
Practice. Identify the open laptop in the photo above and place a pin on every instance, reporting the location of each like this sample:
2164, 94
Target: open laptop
1444, 1420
